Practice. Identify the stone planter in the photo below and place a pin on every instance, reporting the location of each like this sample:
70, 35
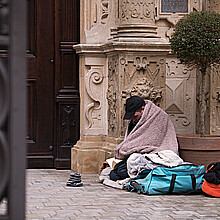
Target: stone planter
199, 150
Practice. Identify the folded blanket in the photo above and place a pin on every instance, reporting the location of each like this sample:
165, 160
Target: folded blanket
165, 158
153, 133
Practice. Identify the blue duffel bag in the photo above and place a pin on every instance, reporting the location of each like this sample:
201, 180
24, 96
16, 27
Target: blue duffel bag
182, 179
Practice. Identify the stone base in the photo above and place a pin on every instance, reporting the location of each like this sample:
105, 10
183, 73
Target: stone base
91, 151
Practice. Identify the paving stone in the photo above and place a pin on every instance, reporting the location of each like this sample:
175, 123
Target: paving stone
48, 197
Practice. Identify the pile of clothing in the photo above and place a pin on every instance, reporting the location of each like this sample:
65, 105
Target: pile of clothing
120, 172
152, 142
163, 172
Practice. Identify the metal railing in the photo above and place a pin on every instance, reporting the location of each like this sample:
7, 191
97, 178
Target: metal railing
12, 107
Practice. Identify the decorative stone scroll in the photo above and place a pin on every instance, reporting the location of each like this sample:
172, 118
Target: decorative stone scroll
93, 77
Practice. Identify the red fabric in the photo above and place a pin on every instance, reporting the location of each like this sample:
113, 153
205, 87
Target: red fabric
211, 189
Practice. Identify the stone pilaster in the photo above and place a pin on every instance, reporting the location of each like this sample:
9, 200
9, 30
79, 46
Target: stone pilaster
212, 118
215, 100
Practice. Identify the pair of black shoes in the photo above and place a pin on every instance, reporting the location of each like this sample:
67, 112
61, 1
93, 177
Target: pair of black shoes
75, 180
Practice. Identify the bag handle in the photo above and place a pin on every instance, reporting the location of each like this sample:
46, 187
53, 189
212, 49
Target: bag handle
193, 181
172, 183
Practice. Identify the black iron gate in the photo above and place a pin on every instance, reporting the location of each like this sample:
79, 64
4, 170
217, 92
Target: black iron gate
12, 107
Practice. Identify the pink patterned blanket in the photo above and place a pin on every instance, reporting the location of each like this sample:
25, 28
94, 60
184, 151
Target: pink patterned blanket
153, 133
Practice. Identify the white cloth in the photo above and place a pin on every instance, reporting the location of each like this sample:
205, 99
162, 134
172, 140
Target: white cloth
138, 162
104, 178
166, 158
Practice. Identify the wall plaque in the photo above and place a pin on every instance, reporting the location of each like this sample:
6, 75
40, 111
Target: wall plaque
174, 6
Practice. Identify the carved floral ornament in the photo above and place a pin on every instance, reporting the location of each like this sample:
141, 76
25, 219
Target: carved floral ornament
145, 89
104, 11
103, 15
151, 69
137, 9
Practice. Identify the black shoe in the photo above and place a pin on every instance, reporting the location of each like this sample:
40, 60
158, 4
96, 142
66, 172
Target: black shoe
77, 175
73, 184
75, 180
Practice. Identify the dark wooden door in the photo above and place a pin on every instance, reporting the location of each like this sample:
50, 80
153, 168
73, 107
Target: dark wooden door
52, 82
40, 83
67, 13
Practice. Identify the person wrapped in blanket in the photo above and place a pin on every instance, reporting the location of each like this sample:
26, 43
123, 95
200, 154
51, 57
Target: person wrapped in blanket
149, 131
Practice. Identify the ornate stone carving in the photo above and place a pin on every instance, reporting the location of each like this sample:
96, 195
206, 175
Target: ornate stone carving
104, 11
112, 95
137, 11
145, 89
94, 76
144, 76
195, 5
97, 12
97, 17
215, 100
214, 5
180, 96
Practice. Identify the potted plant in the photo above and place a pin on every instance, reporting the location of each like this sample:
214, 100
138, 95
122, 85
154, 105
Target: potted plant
196, 43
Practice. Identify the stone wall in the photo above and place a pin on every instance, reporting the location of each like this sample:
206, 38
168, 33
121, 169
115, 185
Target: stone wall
125, 51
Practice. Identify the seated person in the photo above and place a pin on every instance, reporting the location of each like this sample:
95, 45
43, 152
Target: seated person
149, 129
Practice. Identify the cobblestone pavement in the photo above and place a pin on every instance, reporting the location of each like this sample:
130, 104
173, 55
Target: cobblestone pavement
48, 197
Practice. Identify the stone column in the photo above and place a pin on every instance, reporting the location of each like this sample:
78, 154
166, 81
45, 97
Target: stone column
136, 20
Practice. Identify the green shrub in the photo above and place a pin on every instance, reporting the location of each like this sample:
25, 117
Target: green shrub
196, 42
